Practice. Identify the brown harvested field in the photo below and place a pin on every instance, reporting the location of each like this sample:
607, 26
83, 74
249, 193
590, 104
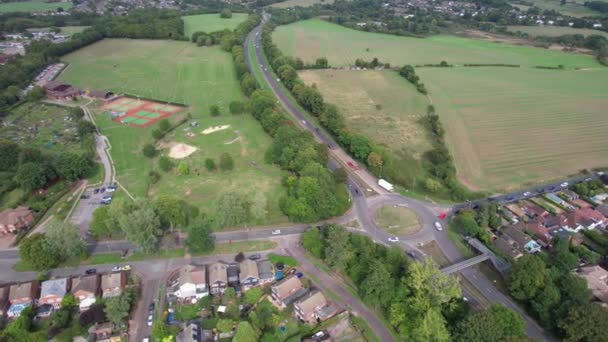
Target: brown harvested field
378, 104
508, 127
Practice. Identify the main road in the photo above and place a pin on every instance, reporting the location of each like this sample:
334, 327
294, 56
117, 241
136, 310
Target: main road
357, 178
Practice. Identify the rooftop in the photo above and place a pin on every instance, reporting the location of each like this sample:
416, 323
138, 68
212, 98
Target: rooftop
54, 287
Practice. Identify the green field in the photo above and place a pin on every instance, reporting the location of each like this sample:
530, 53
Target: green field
555, 31
301, 3
398, 220
211, 22
199, 77
33, 6
65, 30
572, 8
394, 124
41, 126
509, 127
315, 38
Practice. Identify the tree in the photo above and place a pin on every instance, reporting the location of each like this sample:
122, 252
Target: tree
313, 242
117, 308
321, 63
430, 326
562, 258
141, 226
170, 211
249, 84
253, 295
236, 107
200, 236
496, 323
545, 304
100, 224
38, 252
210, 164
69, 302
377, 288
288, 75
72, 166
35, 94
374, 160
9, 155
258, 207
586, 323
232, 209
224, 325
432, 185
183, 168
149, 150
64, 238
527, 276
245, 333
164, 125
165, 163
225, 13
85, 128
226, 162
340, 254
32, 176
429, 287
214, 110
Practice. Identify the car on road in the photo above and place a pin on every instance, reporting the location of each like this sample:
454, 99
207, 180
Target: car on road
510, 198
96, 191
276, 232
116, 269
393, 239
410, 254
125, 268
527, 193
320, 336
146, 339
103, 201
564, 185
438, 226
111, 189
255, 257
588, 179
149, 323
90, 271
151, 307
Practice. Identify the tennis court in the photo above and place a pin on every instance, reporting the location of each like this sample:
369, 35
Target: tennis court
142, 113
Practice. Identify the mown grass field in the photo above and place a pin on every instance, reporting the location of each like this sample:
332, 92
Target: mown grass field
211, 22
573, 8
301, 3
555, 31
394, 124
509, 127
33, 6
65, 30
198, 77
315, 38
398, 220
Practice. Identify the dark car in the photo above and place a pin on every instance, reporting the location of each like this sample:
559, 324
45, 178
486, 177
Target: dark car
254, 257
510, 198
151, 307
90, 271
96, 191
102, 190
280, 266
84, 196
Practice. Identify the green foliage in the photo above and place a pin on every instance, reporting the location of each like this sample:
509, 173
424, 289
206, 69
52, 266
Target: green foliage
214, 110
224, 325
586, 323
65, 239
589, 189
35, 94
38, 252
149, 150
141, 224
210, 164
183, 168
102, 225
496, 323
313, 242
253, 295
170, 210
232, 209
164, 125
165, 163
85, 128
226, 162
72, 166
226, 13
527, 276
245, 333
32, 176
200, 238
236, 107
117, 308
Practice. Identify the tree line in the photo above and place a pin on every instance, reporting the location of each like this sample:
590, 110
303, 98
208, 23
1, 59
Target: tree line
419, 302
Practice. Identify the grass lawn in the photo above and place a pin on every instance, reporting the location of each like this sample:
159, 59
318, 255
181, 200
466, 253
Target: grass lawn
211, 22
398, 220
33, 6
379, 104
310, 39
41, 126
508, 128
65, 30
196, 76
286, 260
301, 3
554, 31
242, 246
573, 8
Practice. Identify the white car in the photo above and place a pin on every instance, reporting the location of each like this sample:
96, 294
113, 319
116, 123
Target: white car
150, 320
116, 269
393, 239
276, 232
527, 193
438, 226
564, 184
126, 268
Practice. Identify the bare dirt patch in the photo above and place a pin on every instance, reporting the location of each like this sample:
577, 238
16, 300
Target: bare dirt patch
214, 129
181, 151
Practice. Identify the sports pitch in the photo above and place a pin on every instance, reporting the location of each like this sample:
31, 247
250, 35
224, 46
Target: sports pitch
142, 113
314, 38
179, 72
211, 22
33, 6
508, 127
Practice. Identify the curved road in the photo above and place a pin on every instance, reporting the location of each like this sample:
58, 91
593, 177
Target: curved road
364, 207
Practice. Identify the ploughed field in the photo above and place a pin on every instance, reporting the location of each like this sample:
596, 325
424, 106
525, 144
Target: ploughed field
197, 77
506, 127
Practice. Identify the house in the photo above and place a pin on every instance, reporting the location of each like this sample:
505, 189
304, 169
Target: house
533, 211
555, 221
314, 308
112, 284
4, 303
557, 200
85, 289
521, 239
265, 272
100, 94
561, 233
190, 283
191, 333
540, 231
60, 91
507, 248
516, 210
12, 220
52, 292
288, 291
21, 296
249, 273
597, 281
585, 218
570, 195
218, 278
233, 274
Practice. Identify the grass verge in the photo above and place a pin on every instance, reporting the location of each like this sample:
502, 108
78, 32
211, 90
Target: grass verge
286, 260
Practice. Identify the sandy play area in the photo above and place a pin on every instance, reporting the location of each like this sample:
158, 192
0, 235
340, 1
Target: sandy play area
180, 151
213, 129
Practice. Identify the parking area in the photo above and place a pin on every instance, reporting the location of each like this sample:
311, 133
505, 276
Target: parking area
90, 199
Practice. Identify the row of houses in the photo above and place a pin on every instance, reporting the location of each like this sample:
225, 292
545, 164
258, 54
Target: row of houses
49, 294
309, 306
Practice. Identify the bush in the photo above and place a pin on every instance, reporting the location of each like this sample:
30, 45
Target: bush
214, 110
183, 168
149, 150
226, 162
165, 163
225, 14
154, 177
164, 125
157, 134
210, 164
236, 107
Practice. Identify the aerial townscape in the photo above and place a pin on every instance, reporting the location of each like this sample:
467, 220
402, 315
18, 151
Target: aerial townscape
303, 170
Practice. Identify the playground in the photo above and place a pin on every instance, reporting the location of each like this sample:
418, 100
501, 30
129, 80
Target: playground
137, 112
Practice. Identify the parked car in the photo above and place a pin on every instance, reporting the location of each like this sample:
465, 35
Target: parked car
125, 268
116, 269
255, 257
150, 317
564, 184
107, 197
320, 336
90, 271
276, 232
111, 189
527, 193
393, 239
438, 226
84, 196
96, 191
104, 201
151, 307
102, 190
